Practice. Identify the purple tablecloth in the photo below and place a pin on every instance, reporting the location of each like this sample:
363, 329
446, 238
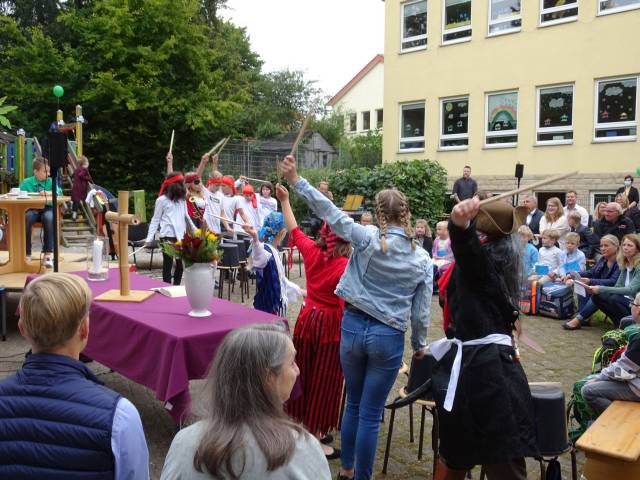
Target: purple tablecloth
155, 343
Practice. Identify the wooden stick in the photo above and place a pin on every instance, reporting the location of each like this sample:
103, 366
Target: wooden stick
215, 147
173, 132
224, 144
226, 220
256, 180
305, 124
528, 187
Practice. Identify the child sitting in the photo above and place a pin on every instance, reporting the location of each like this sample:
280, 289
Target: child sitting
549, 255
530, 253
618, 381
441, 253
588, 243
366, 219
423, 235
574, 261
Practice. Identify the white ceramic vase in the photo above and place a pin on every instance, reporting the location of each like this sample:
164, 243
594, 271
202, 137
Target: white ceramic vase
199, 283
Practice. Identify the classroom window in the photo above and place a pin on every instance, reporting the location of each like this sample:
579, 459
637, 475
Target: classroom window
366, 120
454, 121
604, 196
558, 11
412, 126
353, 122
554, 122
616, 104
456, 21
615, 6
501, 119
504, 16
414, 26
379, 118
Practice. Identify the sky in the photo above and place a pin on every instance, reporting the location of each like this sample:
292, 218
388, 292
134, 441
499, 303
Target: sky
330, 40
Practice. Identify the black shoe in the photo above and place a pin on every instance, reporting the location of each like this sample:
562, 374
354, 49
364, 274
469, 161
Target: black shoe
334, 455
327, 439
343, 477
566, 326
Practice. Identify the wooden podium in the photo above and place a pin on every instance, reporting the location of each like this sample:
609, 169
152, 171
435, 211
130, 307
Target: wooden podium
612, 444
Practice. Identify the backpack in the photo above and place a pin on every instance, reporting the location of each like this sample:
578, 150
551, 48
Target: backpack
556, 300
529, 293
612, 341
579, 414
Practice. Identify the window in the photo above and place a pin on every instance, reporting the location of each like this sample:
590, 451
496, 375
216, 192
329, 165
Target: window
616, 102
501, 119
615, 6
414, 26
454, 121
554, 122
412, 126
456, 21
379, 118
605, 196
366, 120
504, 16
353, 122
558, 11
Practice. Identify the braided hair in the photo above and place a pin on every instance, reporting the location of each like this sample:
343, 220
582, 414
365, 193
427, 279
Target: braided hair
392, 206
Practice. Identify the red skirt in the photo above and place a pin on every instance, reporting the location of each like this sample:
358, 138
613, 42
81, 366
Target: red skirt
316, 338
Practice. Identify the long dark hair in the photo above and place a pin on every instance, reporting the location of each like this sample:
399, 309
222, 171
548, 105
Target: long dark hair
242, 399
505, 255
175, 191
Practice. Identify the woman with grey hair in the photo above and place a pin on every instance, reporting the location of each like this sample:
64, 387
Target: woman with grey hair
246, 434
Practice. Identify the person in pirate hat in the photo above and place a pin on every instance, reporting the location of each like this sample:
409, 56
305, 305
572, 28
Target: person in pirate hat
481, 391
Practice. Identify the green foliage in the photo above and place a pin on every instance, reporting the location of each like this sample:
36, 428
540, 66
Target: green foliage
331, 127
4, 110
199, 246
360, 151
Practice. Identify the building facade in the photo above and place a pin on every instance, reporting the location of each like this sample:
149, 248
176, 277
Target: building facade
550, 84
361, 100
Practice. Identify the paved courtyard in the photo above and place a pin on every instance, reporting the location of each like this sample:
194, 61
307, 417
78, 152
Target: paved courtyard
567, 358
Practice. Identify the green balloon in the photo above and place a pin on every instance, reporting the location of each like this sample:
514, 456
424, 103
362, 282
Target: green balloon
638, 170
58, 91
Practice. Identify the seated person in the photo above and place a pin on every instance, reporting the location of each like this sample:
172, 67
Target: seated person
604, 272
366, 219
620, 380
530, 253
588, 240
423, 235
574, 260
41, 183
614, 301
62, 422
550, 256
246, 433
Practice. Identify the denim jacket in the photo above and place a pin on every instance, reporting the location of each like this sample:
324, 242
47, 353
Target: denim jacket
394, 288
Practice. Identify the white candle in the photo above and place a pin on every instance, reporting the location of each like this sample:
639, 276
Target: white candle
97, 256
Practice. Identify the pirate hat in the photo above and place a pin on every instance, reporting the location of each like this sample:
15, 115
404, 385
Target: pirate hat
497, 219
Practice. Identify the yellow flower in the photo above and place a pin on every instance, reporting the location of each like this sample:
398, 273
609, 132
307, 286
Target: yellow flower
212, 237
197, 232
179, 243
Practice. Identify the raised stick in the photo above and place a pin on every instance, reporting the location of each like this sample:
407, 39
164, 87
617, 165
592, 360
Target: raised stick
173, 132
226, 219
220, 145
305, 124
256, 180
528, 187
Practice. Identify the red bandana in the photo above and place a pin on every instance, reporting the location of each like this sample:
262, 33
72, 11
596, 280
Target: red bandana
214, 181
228, 181
248, 190
192, 177
174, 179
330, 240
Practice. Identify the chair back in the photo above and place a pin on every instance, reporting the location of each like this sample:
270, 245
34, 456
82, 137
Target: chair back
242, 249
230, 256
419, 372
551, 420
138, 232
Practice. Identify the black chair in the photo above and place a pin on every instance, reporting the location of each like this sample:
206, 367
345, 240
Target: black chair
137, 236
227, 266
242, 267
416, 391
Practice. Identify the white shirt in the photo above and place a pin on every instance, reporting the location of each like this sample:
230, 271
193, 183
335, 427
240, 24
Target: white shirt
230, 205
560, 225
267, 206
552, 257
170, 217
584, 215
253, 213
213, 207
128, 443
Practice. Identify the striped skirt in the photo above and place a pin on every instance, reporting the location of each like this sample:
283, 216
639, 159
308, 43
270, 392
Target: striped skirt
316, 338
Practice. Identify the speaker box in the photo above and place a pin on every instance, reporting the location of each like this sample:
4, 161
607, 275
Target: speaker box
57, 151
519, 170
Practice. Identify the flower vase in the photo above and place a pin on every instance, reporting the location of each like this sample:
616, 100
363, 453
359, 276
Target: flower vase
199, 284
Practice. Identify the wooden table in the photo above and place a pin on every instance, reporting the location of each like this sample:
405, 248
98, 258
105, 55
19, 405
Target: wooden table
16, 208
612, 444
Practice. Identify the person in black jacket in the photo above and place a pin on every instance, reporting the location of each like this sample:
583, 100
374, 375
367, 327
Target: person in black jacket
486, 416
464, 187
589, 244
614, 223
534, 215
630, 191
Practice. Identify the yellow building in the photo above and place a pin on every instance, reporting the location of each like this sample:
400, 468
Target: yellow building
551, 84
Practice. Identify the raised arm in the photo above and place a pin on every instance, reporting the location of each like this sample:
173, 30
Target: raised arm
169, 159
289, 218
203, 163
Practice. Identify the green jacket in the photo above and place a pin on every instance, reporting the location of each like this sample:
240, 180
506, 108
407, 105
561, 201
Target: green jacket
30, 184
619, 288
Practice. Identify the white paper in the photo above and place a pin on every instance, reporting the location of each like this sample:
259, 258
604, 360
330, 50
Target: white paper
579, 289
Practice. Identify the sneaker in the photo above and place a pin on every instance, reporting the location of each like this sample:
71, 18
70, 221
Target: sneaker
74, 216
47, 261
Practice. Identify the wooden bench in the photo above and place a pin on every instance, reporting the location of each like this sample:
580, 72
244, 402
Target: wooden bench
612, 444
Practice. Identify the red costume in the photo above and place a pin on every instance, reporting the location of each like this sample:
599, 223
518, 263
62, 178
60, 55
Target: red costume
316, 337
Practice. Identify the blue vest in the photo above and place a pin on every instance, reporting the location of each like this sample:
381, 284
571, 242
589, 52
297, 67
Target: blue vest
55, 422
268, 295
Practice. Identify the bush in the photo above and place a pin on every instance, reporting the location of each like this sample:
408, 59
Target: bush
424, 182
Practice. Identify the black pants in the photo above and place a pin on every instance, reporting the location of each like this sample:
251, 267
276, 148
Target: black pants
167, 265
75, 205
613, 305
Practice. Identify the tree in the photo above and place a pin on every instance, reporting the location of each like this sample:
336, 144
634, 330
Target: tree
4, 110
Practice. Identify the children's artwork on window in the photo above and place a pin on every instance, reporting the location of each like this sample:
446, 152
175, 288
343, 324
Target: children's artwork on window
456, 115
556, 106
617, 100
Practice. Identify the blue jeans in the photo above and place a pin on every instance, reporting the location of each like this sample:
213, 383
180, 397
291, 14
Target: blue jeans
613, 305
45, 216
586, 308
371, 354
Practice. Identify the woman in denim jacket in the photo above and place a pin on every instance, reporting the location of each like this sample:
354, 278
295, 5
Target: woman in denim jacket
387, 285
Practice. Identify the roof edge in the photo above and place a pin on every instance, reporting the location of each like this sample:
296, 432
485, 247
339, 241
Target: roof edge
359, 76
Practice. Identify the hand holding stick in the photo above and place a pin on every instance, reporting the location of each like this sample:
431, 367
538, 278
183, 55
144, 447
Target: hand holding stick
171, 143
528, 187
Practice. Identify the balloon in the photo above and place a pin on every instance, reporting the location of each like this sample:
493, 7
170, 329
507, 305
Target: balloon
638, 170
58, 91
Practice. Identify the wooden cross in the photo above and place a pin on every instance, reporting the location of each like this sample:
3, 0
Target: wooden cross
123, 219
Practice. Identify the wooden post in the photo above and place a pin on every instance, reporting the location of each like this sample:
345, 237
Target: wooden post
79, 120
124, 219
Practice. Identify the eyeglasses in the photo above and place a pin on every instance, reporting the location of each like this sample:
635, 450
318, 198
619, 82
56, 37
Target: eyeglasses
631, 304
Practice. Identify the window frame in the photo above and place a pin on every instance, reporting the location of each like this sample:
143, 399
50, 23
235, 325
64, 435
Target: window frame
615, 10
352, 116
362, 115
501, 133
401, 139
456, 136
416, 37
540, 130
610, 126
592, 198
379, 120
498, 22
455, 30
569, 6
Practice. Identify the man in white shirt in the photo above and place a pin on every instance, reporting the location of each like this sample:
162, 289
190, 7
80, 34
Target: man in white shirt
572, 206
534, 216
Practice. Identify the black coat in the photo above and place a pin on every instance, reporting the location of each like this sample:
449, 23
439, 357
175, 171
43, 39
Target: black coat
622, 227
492, 419
534, 225
633, 194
